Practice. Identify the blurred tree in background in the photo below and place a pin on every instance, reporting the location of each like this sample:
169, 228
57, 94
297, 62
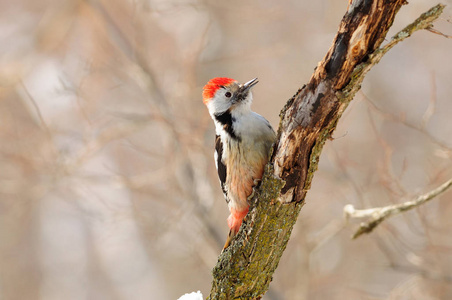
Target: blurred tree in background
108, 188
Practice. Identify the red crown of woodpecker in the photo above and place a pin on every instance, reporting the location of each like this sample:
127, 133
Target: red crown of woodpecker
213, 85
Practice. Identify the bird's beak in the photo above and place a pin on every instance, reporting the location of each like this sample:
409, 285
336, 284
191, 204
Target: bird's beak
244, 90
248, 85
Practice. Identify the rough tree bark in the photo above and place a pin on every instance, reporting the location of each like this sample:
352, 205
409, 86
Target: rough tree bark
245, 269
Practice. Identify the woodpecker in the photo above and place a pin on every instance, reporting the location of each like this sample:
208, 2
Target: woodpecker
242, 143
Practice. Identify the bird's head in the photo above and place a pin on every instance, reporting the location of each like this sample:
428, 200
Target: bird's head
225, 94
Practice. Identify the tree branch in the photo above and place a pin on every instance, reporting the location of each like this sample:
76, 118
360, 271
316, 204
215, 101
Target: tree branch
245, 269
379, 214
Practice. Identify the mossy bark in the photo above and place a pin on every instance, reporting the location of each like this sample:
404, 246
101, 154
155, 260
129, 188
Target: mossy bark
245, 269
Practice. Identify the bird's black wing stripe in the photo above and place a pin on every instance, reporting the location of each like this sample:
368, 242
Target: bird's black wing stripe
221, 167
225, 119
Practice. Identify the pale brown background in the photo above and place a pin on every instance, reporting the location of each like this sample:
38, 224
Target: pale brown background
108, 188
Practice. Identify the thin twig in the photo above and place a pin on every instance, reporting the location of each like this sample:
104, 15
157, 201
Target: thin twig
433, 30
379, 214
432, 103
423, 22
36, 107
395, 118
96, 144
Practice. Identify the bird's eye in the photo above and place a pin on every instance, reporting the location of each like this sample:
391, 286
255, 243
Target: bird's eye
228, 94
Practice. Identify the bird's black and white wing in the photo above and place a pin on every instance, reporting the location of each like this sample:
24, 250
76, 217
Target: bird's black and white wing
221, 167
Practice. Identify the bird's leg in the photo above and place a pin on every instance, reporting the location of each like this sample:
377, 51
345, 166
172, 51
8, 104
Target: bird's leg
255, 183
